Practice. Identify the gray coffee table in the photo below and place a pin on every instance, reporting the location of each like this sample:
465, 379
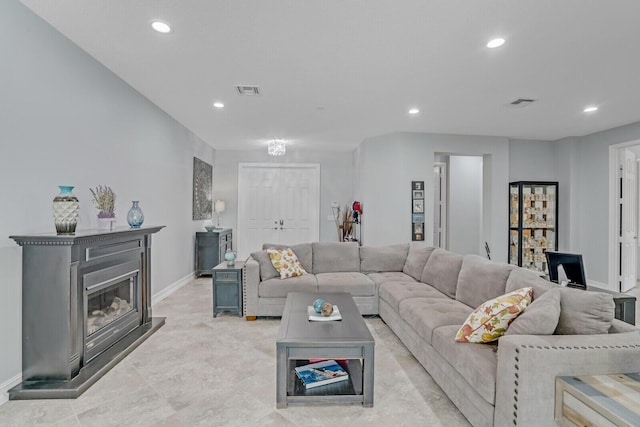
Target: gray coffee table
300, 340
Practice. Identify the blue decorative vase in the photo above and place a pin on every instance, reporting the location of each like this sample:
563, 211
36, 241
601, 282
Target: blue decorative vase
135, 217
230, 257
317, 305
65, 210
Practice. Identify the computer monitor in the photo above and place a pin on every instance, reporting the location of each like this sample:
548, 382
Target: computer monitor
572, 266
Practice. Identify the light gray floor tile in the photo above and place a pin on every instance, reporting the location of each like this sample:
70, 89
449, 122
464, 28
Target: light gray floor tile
198, 370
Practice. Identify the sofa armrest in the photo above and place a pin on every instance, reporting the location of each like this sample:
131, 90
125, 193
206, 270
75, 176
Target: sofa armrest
251, 282
529, 364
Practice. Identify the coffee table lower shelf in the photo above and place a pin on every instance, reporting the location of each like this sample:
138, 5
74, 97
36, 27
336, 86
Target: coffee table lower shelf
340, 393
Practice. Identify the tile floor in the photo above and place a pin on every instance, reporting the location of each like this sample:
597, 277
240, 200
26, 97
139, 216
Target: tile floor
201, 371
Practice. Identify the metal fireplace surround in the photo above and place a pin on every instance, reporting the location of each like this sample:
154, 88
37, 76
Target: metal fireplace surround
86, 304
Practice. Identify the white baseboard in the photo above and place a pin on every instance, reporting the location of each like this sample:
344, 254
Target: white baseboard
8, 384
159, 296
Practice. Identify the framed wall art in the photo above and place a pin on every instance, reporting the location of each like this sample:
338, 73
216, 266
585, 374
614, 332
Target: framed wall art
202, 189
417, 211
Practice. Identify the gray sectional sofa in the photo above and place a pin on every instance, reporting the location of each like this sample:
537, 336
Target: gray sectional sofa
424, 295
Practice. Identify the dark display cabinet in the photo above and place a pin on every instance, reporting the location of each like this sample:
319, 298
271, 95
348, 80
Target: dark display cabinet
533, 223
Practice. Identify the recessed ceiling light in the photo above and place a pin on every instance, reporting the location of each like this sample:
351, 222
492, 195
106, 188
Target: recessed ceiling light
590, 109
161, 27
218, 104
414, 111
495, 43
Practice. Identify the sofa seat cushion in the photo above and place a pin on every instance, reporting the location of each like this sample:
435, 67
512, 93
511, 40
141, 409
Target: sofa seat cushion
476, 363
395, 292
424, 315
334, 257
391, 276
357, 284
375, 259
278, 288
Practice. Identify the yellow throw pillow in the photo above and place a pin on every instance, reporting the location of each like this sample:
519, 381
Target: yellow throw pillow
490, 321
286, 262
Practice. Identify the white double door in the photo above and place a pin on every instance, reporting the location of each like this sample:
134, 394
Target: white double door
277, 203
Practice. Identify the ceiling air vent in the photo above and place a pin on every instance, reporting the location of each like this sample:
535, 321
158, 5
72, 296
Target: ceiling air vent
248, 90
521, 102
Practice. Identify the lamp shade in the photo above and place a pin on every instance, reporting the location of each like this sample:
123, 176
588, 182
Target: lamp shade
218, 206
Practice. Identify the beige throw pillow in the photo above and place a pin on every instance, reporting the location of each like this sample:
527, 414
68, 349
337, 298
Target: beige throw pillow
490, 321
286, 262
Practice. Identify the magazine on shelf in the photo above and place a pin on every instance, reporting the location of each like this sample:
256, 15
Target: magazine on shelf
319, 317
321, 373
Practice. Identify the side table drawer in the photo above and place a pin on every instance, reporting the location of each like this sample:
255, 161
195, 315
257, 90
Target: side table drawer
227, 276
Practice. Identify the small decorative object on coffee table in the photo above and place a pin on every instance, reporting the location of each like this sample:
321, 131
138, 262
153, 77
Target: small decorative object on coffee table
227, 288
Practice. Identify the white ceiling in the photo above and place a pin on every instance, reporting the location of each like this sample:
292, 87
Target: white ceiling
334, 72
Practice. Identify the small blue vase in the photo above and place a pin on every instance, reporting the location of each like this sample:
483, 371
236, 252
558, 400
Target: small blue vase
317, 305
135, 217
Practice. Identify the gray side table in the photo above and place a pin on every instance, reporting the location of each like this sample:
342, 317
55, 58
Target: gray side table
227, 288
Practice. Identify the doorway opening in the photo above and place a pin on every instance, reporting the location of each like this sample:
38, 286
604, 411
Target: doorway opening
459, 203
623, 215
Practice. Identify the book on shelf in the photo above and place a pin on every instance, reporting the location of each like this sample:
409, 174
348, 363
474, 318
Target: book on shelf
319, 317
321, 373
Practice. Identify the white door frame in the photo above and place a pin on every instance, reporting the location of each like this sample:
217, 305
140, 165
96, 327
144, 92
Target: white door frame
614, 159
314, 167
441, 203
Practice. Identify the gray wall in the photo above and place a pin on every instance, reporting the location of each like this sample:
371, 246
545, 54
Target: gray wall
336, 181
531, 160
67, 120
387, 164
593, 203
465, 204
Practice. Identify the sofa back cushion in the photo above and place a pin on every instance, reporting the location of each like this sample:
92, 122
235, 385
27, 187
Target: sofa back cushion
480, 280
416, 260
376, 259
335, 257
441, 271
521, 278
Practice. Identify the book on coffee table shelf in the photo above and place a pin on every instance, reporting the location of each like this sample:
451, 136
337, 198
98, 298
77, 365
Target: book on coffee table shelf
321, 373
319, 317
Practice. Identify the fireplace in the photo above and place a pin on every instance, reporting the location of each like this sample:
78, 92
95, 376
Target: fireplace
85, 305
111, 308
